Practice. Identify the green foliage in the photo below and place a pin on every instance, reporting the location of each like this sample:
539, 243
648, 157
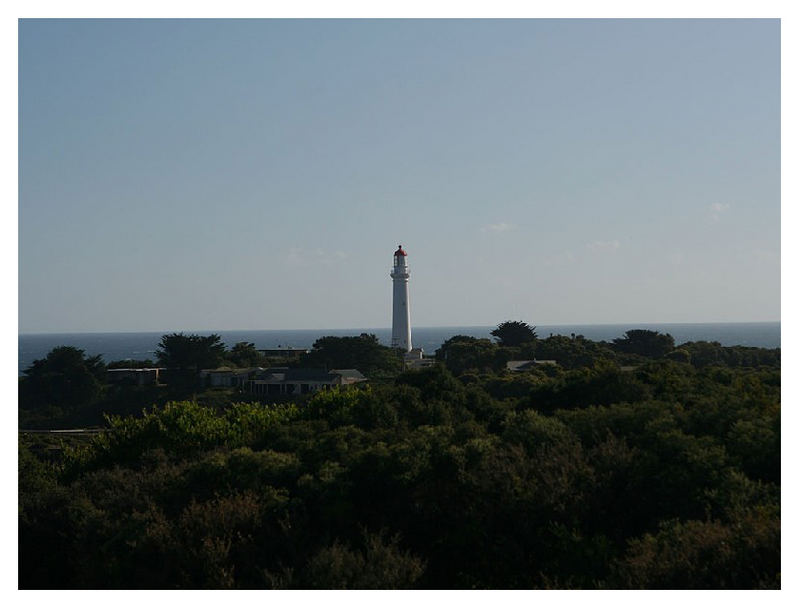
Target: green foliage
532, 431
184, 428
573, 352
516, 385
706, 555
755, 444
514, 333
648, 343
703, 354
35, 478
363, 353
185, 355
351, 406
435, 382
679, 355
582, 476
245, 355
380, 565
602, 384
461, 353
61, 383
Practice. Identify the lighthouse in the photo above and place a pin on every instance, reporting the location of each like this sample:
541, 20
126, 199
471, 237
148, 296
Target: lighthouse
401, 315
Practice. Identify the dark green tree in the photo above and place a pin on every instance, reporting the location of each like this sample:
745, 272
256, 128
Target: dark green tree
679, 355
706, 555
645, 342
244, 355
460, 353
362, 352
185, 355
65, 379
572, 352
381, 565
514, 333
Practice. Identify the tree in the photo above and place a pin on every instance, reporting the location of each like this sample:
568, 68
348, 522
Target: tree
363, 352
514, 333
572, 352
461, 353
645, 342
185, 355
679, 355
244, 355
381, 565
705, 554
64, 379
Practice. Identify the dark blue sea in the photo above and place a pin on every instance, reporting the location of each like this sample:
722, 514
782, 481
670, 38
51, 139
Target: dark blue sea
142, 345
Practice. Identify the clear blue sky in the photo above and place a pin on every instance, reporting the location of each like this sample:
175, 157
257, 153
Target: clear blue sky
259, 174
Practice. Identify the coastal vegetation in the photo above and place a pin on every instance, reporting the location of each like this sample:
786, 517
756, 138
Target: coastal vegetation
635, 463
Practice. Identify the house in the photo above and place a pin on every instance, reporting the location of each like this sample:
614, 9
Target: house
133, 376
350, 376
298, 381
528, 364
226, 377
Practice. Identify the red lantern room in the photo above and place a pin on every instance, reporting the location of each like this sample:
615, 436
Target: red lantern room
400, 256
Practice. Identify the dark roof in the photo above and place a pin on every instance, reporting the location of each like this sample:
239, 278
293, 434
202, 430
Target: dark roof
309, 374
274, 375
350, 373
400, 251
225, 369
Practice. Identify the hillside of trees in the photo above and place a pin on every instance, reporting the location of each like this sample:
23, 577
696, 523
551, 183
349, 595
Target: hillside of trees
631, 464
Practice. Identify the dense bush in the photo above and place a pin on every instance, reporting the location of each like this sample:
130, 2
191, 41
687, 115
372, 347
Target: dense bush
664, 476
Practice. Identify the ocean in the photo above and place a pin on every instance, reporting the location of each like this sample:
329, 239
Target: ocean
142, 345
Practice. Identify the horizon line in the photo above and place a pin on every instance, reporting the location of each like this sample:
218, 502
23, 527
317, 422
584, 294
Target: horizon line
388, 328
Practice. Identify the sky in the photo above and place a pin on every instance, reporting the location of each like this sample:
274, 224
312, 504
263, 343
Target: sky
259, 174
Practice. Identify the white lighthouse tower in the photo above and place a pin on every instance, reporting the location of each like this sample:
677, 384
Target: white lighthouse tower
401, 315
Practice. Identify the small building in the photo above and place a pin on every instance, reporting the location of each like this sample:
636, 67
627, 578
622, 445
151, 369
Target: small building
528, 364
415, 359
350, 376
298, 381
133, 376
227, 377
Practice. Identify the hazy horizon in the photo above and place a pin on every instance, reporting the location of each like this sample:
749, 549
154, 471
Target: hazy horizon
258, 174
632, 325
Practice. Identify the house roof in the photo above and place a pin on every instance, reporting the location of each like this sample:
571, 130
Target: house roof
519, 364
272, 377
227, 369
350, 373
309, 374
